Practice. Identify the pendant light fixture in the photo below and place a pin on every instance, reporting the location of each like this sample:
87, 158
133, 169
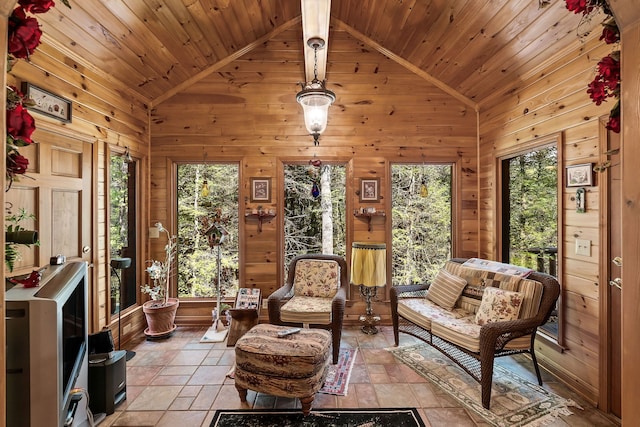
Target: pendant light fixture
314, 97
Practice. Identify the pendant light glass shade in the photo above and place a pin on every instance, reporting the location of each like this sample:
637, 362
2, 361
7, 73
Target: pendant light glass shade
315, 99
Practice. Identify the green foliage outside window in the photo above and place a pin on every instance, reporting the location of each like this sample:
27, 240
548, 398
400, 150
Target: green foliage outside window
197, 262
421, 215
533, 201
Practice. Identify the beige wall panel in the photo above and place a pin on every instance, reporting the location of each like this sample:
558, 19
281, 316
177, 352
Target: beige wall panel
585, 151
586, 287
564, 365
586, 270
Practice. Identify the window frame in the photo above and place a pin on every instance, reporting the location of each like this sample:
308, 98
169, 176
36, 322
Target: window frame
514, 151
454, 208
173, 280
135, 268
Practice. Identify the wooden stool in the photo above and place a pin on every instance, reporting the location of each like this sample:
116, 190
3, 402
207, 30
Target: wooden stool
291, 366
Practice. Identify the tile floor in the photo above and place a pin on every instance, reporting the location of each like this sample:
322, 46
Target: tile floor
181, 382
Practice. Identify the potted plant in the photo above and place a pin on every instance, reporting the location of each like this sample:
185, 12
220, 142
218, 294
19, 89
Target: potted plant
160, 311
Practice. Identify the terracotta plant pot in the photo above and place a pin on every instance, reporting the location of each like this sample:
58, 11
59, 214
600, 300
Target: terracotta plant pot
160, 318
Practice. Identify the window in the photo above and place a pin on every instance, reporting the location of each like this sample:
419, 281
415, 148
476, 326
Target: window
530, 213
207, 194
314, 207
122, 229
421, 215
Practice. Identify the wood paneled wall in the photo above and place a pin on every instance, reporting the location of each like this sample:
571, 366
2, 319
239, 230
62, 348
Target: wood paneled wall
247, 113
104, 115
554, 101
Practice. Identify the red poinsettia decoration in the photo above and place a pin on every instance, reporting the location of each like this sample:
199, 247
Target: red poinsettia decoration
20, 127
587, 6
17, 164
24, 34
37, 6
23, 38
606, 83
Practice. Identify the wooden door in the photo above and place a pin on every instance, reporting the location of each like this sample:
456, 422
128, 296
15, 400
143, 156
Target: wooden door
57, 191
614, 250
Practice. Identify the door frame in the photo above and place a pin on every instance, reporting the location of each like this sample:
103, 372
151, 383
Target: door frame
604, 398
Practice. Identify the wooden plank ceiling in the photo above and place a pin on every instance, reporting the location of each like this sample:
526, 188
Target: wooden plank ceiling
476, 48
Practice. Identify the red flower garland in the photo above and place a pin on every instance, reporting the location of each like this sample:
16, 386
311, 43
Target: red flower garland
24, 34
23, 38
37, 6
606, 83
20, 126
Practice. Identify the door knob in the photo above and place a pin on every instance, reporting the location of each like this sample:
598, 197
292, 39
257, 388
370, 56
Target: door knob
86, 249
617, 261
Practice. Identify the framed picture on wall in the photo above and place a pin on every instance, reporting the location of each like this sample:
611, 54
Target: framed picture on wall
261, 190
580, 175
369, 189
47, 103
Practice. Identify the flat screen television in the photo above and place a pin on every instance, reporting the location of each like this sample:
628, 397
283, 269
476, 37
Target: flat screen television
47, 347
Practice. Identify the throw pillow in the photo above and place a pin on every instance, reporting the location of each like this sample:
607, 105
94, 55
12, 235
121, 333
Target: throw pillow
498, 305
446, 289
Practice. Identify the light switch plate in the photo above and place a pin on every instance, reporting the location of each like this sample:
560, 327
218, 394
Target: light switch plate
583, 247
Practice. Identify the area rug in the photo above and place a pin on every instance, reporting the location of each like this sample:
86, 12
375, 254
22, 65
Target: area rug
514, 401
337, 379
396, 417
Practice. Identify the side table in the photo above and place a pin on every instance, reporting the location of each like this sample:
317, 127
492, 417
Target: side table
242, 319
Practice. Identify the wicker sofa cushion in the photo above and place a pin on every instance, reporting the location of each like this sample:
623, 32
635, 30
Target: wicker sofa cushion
498, 305
316, 278
300, 355
422, 312
446, 289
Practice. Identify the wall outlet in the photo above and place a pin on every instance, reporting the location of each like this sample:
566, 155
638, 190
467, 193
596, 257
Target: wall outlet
583, 247
265, 303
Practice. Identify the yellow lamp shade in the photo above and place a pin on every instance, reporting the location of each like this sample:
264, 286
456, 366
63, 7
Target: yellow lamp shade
369, 264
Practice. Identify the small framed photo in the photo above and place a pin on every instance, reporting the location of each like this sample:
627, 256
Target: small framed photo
369, 189
580, 175
47, 103
261, 190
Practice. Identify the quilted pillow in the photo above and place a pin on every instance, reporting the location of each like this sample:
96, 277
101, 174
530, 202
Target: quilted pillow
316, 278
498, 305
446, 289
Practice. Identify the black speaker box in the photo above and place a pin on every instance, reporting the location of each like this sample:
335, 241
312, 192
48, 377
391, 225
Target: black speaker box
107, 382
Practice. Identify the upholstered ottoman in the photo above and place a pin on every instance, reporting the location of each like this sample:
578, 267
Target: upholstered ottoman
290, 366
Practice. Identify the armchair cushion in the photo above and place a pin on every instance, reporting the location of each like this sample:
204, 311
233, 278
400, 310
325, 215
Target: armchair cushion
446, 289
316, 278
305, 309
497, 305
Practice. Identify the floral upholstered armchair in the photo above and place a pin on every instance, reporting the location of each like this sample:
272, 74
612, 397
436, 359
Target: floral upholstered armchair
313, 296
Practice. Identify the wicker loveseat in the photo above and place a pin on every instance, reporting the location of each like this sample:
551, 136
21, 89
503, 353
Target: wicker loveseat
466, 332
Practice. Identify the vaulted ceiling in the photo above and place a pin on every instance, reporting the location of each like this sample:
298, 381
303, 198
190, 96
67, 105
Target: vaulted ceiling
473, 49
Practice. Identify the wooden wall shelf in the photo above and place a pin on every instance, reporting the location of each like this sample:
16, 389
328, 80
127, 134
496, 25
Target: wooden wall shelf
260, 216
367, 216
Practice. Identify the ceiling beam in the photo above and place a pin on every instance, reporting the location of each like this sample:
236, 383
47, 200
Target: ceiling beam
225, 61
315, 23
406, 64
